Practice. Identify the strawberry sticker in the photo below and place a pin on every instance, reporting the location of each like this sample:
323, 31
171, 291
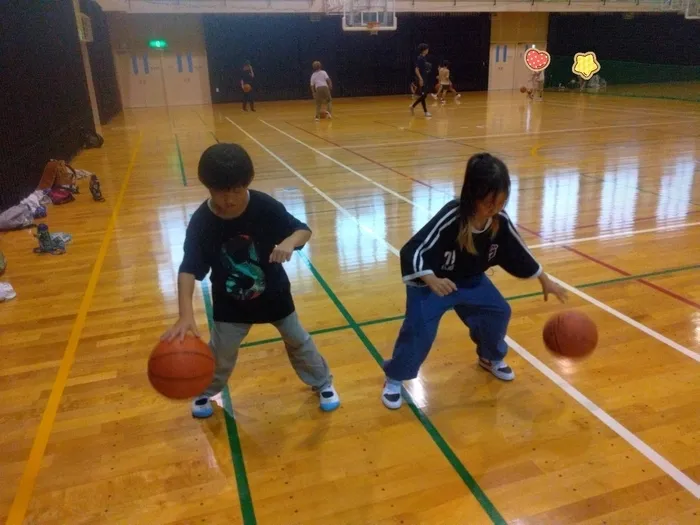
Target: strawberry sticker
536, 60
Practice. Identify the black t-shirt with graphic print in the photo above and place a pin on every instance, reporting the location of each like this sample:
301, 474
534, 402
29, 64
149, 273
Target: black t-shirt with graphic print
246, 286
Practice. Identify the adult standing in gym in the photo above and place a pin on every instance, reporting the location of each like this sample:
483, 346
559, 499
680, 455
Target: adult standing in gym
423, 78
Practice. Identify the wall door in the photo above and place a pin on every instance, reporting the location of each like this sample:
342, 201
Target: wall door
501, 66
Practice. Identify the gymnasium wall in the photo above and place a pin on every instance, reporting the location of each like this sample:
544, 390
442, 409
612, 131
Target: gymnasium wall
282, 48
45, 102
644, 48
104, 74
184, 78
511, 35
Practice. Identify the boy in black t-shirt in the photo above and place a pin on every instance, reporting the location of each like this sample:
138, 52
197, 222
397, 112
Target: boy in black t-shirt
243, 236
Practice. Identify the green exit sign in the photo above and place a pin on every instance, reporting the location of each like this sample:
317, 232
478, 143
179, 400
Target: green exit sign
158, 44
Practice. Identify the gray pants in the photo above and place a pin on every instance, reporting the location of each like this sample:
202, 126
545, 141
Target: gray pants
323, 96
308, 363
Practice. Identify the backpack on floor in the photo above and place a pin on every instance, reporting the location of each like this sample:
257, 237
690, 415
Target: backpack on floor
58, 173
61, 196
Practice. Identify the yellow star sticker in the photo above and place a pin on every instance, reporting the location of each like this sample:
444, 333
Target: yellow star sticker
585, 65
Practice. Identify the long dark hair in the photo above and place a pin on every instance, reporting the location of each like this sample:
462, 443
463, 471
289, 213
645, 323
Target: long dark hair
485, 175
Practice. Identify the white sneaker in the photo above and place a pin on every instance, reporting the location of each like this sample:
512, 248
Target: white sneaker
391, 395
329, 116
6, 292
457, 95
329, 399
498, 368
428, 114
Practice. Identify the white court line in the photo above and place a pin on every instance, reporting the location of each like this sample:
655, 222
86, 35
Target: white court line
619, 315
657, 459
604, 236
348, 168
322, 194
524, 134
639, 326
672, 471
639, 113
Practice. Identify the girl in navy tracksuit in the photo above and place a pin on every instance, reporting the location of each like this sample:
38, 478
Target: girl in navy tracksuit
443, 267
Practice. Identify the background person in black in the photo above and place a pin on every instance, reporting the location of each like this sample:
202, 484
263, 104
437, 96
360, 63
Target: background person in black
243, 236
423, 78
248, 77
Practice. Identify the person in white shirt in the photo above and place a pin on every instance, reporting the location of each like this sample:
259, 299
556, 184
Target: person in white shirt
321, 86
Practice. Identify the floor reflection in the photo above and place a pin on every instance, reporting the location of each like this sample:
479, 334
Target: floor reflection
560, 203
675, 193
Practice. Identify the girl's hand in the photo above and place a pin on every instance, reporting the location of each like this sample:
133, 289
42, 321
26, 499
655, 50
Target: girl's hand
549, 286
440, 287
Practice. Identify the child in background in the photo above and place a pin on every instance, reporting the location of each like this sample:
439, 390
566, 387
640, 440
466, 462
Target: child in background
248, 77
321, 87
445, 82
444, 266
243, 236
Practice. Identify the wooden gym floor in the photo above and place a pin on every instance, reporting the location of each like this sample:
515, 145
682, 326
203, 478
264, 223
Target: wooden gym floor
606, 190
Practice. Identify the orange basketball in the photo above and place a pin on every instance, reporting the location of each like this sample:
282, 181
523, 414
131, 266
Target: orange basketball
570, 334
523, 89
247, 88
181, 369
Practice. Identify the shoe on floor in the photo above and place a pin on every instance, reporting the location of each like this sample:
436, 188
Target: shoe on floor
428, 114
6, 292
498, 368
201, 408
391, 394
329, 399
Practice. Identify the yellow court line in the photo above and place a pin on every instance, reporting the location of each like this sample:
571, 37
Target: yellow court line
31, 469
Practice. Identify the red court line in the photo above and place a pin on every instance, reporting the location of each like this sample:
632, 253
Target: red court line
636, 219
428, 185
423, 183
447, 139
591, 258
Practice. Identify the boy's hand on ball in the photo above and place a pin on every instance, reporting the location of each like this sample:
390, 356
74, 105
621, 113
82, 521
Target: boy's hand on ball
549, 286
180, 329
282, 252
440, 287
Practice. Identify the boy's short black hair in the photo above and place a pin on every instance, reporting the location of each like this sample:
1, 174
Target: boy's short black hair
225, 167
423, 47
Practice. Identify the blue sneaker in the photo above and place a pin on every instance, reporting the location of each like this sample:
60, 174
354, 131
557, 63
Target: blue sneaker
329, 399
201, 408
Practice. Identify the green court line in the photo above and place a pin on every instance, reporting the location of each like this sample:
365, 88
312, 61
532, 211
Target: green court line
383, 320
234, 441
634, 95
179, 158
449, 454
